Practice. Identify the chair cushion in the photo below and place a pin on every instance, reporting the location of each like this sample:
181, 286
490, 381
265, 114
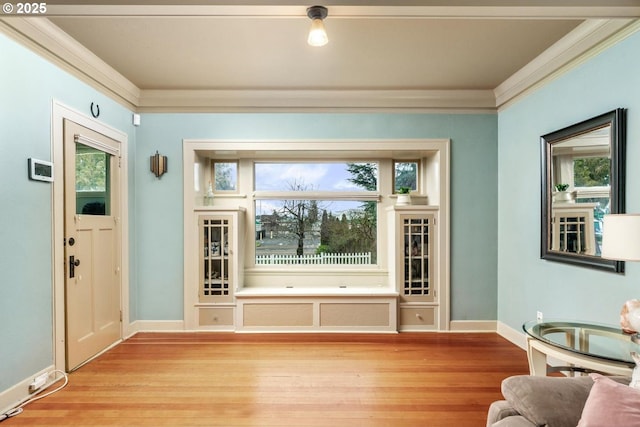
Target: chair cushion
499, 410
611, 404
553, 401
517, 421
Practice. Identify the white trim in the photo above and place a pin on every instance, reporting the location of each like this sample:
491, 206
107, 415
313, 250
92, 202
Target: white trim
323, 145
155, 326
90, 142
317, 195
59, 112
53, 44
584, 42
465, 101
286, 293
18, 393
516, 337
473, 326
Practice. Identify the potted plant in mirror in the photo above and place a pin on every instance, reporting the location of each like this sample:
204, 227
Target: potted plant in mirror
562, 195
404, 196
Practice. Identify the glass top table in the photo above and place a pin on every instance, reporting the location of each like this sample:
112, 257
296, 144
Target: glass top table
596, 345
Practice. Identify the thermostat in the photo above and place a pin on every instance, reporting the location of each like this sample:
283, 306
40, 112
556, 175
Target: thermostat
40, 170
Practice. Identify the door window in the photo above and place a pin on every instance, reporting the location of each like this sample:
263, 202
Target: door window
92, 181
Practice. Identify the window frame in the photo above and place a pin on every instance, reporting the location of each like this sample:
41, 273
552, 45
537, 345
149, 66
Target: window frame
418, 174
237, 177
356, 196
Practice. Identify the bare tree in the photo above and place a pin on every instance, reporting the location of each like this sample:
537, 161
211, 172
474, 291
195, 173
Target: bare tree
301, 214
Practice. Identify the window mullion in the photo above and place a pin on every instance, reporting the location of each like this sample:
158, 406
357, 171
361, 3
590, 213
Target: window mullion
316, 195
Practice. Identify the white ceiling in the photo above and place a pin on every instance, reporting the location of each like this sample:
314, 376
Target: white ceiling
418, 46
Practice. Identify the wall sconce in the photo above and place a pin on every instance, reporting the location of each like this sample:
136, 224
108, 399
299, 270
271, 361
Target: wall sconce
317, 33
158, 164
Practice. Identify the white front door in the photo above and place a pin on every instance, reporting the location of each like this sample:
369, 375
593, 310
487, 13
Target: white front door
92, 243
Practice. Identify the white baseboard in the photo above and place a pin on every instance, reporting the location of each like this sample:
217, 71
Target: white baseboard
516, 337
472, 326
154, 326
178, 326
18, 393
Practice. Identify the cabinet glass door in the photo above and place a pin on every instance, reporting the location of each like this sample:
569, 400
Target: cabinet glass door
417, 259
214, 274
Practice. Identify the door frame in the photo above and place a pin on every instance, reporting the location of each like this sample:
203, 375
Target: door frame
58, 114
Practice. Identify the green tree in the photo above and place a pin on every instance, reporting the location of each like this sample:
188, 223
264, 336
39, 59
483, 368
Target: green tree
355, 230
91, 171
325, 232
405, 175
592, 171
364, 175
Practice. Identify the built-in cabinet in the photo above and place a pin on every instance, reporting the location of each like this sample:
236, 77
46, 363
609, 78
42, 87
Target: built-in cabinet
216, 232
220, 267
414, 271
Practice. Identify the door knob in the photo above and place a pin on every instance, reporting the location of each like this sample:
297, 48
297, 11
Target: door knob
73, 263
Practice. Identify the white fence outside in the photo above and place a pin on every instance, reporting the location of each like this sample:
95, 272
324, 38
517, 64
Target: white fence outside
322, 258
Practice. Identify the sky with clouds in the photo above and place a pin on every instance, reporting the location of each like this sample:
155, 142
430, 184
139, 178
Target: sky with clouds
313, 176
324, 176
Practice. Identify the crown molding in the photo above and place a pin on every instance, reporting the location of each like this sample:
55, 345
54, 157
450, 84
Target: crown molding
584, 42
50, 42
316, 100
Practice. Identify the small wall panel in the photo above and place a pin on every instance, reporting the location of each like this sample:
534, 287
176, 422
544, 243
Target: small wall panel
354, 314
293, 315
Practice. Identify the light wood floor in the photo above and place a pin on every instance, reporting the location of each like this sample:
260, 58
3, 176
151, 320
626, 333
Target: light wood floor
328, 380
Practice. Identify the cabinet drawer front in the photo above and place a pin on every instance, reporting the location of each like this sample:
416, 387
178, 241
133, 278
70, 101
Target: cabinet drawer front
422, 316
216, 316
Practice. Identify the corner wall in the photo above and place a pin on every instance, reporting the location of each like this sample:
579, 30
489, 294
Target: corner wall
527, 283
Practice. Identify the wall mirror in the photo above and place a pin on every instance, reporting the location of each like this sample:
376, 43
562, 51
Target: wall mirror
583, 178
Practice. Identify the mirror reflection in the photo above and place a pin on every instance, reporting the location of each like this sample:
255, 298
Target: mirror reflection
582, 180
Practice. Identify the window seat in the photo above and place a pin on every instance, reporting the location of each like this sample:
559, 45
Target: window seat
301, 291
299, 309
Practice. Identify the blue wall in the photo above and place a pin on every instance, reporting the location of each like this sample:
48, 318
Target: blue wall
473, 183
28, 84
527, 283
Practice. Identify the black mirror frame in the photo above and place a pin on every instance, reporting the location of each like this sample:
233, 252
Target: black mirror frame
617, 120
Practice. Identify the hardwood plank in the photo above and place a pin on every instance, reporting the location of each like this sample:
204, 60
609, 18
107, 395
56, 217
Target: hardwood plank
226, 379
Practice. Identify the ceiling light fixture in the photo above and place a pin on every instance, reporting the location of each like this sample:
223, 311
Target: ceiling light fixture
317, 33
